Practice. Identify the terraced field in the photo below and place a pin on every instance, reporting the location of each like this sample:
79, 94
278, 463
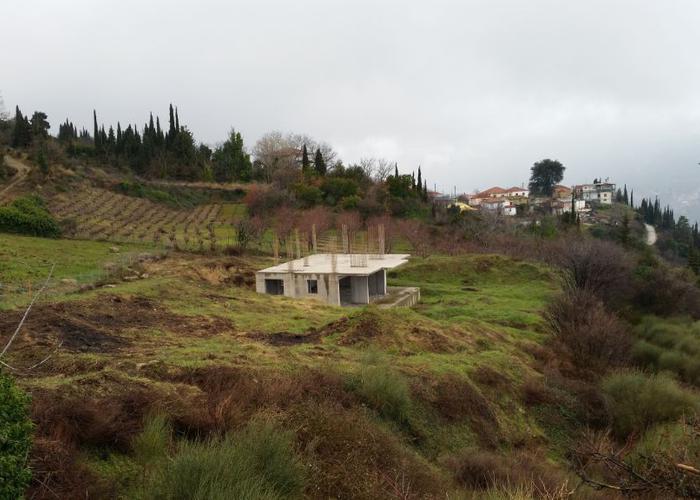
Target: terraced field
100, 214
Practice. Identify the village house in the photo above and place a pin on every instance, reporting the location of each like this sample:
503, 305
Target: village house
514, 194
597, 193
337, 279
499, 206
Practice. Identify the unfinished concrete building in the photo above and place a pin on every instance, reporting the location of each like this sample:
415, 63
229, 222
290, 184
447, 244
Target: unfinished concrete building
338, 279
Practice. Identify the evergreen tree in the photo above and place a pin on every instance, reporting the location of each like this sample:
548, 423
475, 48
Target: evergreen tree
305, 162
231, 162
320, 163
96, 132
171, 123
396, 170
22, 134
40, 126
419, 182
425, 190
625, 197
632, 198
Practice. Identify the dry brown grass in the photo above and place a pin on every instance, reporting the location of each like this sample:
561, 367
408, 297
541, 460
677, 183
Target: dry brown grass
456, 399
350, 456
481, 470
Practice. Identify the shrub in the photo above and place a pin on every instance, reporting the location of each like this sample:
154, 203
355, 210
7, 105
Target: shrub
350, 202
6, 171
255, 463
594, 337
482, 470
28, 216
351, 455
638, 401
666, 291
15, 439
599, 267
671, 345
263, 200
307, 196
336, 188
385, 391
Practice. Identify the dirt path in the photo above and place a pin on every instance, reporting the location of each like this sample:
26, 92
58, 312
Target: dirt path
651, 234
22, 172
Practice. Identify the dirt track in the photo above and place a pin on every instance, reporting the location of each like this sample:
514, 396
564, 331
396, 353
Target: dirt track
22, 172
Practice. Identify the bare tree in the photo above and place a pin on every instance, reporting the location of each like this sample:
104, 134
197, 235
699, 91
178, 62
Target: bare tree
276, 150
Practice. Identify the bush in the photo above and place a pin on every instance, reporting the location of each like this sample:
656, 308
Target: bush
335, 188
15, 439
256, 463
594, 337
350, 202
666, 291
671, 345
263, 200
638, 401
485, 471
307, 196
599, 267
385, 391
6, 171
28, 216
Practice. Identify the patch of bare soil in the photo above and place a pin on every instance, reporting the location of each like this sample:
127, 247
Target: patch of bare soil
98, 325
281, 339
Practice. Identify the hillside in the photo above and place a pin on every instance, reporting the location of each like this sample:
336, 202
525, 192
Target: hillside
151, 361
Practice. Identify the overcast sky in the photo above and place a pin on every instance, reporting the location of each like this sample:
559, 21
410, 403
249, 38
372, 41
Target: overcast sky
474, 91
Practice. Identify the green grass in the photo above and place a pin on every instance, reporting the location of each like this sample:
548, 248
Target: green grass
24, 258
480, 290
476, 310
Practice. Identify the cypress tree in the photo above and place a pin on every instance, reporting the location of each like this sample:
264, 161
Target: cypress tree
22, 134
396, 170
171, 123
632, 198
96, 131
625, 196
425, 190
419, 183
305, 163
320, 163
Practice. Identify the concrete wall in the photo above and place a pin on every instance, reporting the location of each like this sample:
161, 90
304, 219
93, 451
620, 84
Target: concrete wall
295, 285
377, 283
360, 289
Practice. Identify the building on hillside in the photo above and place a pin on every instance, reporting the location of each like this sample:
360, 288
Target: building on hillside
515, 194
499, 206
597, 193
560, 192
338, 279
563, 206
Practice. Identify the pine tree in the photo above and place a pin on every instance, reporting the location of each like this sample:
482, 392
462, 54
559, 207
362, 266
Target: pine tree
305, 162
319, 163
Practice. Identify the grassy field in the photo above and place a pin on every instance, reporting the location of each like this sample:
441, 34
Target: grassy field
431, 381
